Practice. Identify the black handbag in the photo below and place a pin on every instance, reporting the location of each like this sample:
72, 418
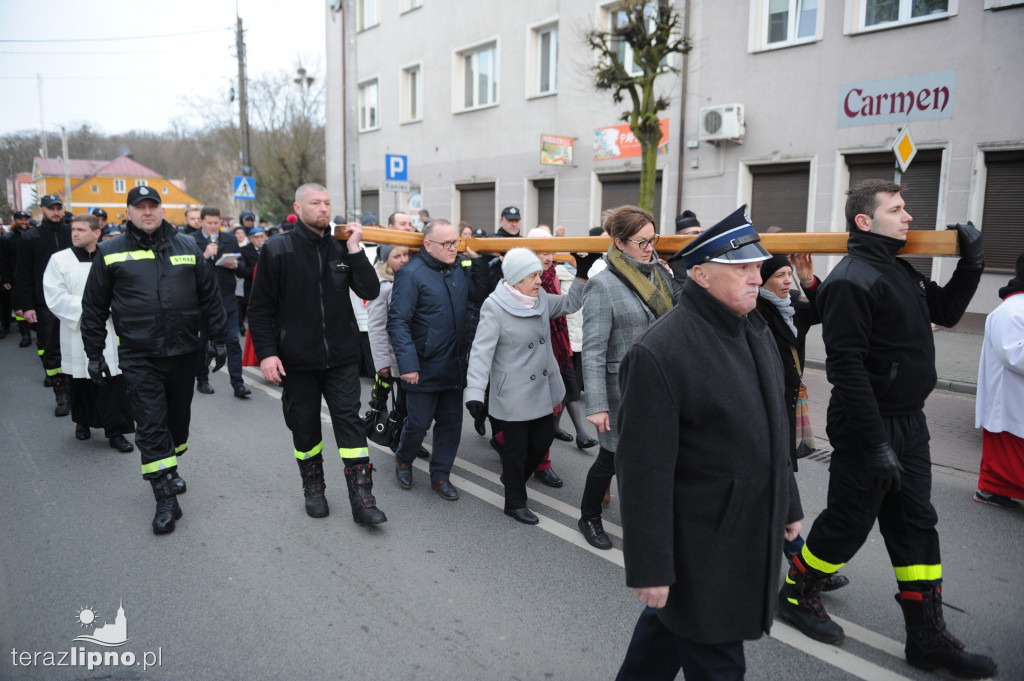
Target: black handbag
383, 425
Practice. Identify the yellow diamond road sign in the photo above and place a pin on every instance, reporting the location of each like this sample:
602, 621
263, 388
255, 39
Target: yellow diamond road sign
904, 148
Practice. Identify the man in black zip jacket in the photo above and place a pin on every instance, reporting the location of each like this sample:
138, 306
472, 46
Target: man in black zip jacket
877, 313
155, 284
37, 245
304, 332
9, 243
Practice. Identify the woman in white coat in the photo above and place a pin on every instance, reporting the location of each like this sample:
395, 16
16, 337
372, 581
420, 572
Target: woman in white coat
92, 405
512, 351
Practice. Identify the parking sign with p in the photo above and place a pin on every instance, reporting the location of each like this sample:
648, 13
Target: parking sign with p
396, 167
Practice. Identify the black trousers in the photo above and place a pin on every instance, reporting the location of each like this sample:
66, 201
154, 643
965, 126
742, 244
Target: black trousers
6, 309
657, 654
598, 478
300, 401
906, 517
105, 407
48, 340
160, 390
526, 442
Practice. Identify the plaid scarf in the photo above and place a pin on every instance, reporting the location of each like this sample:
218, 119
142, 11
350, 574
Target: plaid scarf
559, 329
643, 278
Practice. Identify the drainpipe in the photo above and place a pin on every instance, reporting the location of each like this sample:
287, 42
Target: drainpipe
682, 110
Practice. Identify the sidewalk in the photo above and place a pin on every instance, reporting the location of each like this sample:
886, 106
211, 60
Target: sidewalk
955, 442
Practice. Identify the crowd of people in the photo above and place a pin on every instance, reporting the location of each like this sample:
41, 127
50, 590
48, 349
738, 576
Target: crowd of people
714, 335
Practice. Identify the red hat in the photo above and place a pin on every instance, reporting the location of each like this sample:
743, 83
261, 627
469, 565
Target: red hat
292, 218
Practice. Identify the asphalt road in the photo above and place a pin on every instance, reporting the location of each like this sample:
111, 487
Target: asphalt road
249, 587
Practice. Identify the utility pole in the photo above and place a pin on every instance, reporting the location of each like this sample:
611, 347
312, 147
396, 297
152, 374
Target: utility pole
243, 102
67, 169
42, 130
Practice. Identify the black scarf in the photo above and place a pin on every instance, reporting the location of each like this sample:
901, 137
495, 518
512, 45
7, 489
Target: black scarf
1015, 285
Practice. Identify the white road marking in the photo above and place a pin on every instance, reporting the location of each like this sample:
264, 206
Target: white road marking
781, 631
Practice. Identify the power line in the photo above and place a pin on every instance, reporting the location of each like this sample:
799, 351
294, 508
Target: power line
123, 37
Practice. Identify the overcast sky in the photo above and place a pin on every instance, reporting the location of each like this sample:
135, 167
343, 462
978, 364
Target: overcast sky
92, 74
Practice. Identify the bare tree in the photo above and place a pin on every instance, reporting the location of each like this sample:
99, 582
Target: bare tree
649, 31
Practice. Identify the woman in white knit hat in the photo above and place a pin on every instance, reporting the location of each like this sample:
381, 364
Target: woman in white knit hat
512, 350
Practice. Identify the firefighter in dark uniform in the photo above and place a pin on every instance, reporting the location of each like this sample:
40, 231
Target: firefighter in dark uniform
157, 287
34, 251
9, 243
304, 332
877, 313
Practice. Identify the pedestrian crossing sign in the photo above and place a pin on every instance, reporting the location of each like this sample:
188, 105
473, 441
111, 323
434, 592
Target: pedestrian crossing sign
245, 188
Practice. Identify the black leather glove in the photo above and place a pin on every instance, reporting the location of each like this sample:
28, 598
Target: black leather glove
884, 468
219, 352
380, 392
99, 372
476, 409
585, 262
968, 238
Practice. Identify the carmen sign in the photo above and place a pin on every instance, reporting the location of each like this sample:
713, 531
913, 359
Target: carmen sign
921, 97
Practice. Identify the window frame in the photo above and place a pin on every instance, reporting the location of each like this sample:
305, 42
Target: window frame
410, 5
760, 25
406, 98
552, 74
120, 185
534, 60
374, 80
141, 183
362, 14
459, 57
856, 14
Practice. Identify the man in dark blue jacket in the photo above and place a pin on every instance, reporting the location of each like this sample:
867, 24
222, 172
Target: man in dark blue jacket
427, 324
154, 283
221, 251
304, 332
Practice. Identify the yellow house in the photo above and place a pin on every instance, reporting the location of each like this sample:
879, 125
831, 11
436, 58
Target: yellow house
105, 184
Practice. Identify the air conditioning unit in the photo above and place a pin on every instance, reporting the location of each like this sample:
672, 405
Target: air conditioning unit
722, 122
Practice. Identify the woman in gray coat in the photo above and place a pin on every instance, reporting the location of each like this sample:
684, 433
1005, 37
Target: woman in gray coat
620, 303
512, 351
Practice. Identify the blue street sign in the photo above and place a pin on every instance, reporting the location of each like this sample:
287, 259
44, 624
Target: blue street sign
396, 167
245, 188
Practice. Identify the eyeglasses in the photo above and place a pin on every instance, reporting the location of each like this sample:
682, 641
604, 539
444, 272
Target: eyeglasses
446, 244
644, 243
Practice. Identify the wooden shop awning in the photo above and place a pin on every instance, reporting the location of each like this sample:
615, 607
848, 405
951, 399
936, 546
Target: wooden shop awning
919, 242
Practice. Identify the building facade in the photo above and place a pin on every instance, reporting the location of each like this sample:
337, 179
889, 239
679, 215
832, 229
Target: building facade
781, 104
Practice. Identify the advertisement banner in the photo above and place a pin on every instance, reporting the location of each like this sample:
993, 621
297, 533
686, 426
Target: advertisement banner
905, 99
555, 151
618, 141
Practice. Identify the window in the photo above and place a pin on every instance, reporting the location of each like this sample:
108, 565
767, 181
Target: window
779, 193
409, 5
412, 94
791, 20
164, 190
869, 15
119, 186
141, 183
477, 68
623, 49
369, 106
367, 14
95, 189
547, 61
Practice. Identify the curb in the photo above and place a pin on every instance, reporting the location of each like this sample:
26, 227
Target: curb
942, 384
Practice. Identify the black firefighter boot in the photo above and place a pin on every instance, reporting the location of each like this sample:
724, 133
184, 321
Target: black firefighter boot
312, 471
62, 391
800, 603
929, 645
26, 334
359, 477
167, 508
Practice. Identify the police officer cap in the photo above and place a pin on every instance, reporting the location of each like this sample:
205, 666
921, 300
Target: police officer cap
21, 214
732, 241
511, 213
139, 194
111, 229
99, 212
257, 230
51, 200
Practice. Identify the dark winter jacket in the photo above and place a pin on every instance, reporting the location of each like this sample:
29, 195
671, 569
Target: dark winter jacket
226, 278
300, 308
34, 251
427, 321
706, 483
159, 292
805, 316
876, 312
9, 243
246, 267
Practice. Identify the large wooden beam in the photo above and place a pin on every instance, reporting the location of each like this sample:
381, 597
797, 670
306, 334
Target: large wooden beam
919, 242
